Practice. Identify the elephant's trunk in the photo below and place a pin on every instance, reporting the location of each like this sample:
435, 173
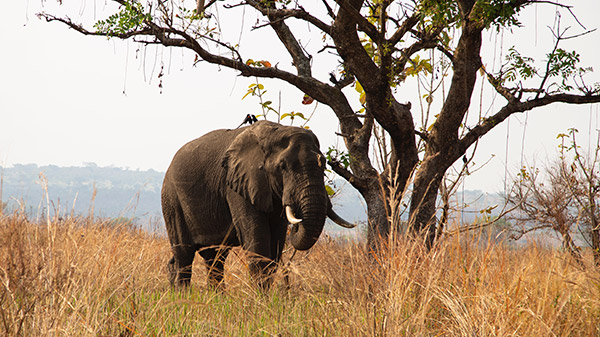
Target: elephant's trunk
312, 210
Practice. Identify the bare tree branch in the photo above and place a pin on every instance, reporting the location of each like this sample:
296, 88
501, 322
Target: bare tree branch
329, 10
405, 27
476, 226
359, 184
301, 61
84, 31
363, 24
497, 84
516, 107
282, 14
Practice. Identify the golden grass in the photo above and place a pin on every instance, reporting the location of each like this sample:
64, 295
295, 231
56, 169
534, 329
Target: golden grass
78, 278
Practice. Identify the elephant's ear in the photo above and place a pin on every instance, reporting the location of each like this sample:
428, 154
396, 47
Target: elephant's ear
244, 161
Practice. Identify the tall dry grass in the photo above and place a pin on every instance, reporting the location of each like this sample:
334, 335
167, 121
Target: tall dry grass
83, 278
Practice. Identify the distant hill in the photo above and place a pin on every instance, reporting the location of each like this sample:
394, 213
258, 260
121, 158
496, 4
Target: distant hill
135, 194
119, 192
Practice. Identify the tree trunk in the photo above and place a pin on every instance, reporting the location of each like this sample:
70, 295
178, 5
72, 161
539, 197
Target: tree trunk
596, 245
384, 208
570, 246
377, 214
423, 200
595, 231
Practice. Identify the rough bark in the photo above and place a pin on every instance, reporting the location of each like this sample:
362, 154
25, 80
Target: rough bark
441, 149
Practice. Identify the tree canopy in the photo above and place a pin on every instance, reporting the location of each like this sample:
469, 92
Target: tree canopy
377, 46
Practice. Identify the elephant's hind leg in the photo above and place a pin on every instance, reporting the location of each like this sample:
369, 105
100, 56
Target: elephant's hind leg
180, 265
214, 258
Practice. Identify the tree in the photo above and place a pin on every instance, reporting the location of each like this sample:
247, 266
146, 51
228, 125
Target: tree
379, 44
564, 200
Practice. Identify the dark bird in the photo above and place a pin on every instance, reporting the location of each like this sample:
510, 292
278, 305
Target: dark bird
250, 119
333, 79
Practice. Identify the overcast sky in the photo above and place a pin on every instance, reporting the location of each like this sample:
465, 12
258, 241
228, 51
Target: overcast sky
67, 99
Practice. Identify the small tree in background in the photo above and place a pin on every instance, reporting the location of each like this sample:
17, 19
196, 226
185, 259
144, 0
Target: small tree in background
564, 199
378, 46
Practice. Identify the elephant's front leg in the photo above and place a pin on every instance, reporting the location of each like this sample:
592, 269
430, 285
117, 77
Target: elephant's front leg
214, 258
253, 229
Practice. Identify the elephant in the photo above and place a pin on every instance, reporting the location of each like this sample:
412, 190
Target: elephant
244, 187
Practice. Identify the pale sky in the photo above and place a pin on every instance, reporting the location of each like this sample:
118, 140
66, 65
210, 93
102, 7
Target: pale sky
67, 99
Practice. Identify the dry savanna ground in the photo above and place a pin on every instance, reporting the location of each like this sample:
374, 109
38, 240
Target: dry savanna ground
89, 278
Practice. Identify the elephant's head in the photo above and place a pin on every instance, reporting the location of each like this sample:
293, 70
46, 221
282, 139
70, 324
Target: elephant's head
277, 167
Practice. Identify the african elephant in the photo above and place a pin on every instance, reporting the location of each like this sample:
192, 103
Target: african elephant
242, 187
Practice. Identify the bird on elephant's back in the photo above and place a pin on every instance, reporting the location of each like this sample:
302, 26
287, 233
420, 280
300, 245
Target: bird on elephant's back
244, 187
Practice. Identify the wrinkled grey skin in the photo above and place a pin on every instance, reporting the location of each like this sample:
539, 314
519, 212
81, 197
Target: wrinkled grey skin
230, 188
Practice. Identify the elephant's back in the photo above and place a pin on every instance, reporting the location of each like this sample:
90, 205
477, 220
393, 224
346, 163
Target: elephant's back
201, 155
194, 182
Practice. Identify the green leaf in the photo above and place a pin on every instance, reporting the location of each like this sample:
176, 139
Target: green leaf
445, 38
330, 191
417, 65
358, 87
248, 93
427, 66
128, 19
363, 97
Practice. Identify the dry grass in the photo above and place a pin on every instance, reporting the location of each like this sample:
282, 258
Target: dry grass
78, 278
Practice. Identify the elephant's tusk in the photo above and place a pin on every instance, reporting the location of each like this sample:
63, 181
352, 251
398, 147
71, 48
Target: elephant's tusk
338, 219
290, 216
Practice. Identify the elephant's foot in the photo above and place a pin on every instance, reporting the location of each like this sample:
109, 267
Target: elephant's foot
215, 277
171, 271
179, 276
216, 284
261, 272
